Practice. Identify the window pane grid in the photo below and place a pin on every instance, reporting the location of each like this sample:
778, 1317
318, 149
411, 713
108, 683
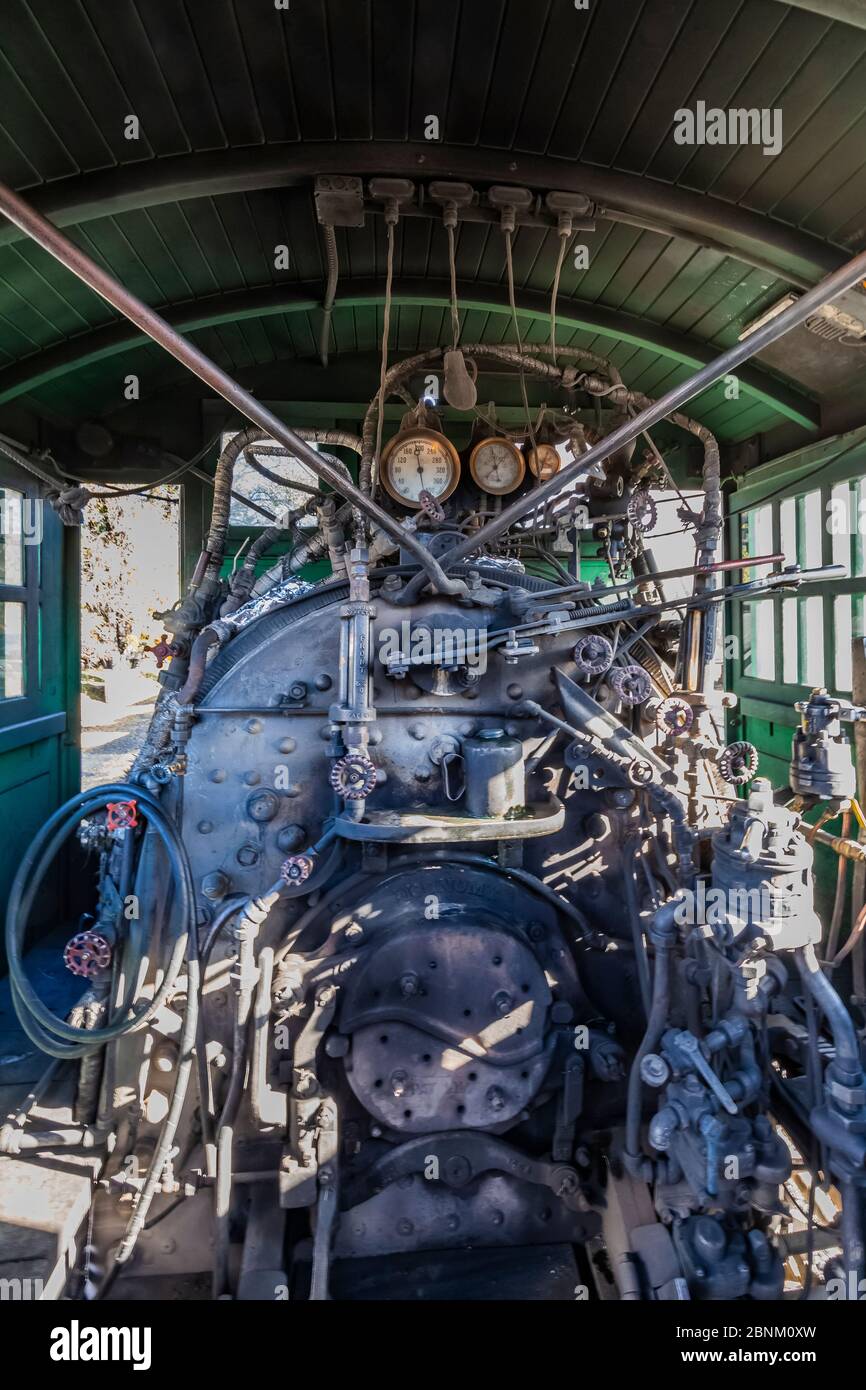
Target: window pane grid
813, 632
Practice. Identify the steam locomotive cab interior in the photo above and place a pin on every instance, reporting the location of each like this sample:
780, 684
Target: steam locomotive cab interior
482, 914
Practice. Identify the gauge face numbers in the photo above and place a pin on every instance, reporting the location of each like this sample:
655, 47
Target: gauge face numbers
497, 466
419, 461
544, 461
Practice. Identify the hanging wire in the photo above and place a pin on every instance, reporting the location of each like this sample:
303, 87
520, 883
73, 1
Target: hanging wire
333, 264
455, 313
8, 448
145, 489
554, 293
386, 329
509, 267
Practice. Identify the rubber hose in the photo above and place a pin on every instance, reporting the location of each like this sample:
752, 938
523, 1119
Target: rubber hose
28, 1005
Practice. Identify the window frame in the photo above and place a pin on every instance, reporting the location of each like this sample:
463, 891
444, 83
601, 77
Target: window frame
807, 474
14, 709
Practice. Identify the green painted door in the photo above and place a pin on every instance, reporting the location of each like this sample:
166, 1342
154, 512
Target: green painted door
39, 642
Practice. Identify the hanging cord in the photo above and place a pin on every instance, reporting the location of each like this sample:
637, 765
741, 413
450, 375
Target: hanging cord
452, 263
509, 266
391, 215
564, 234
25, 462
330, 239
144, 489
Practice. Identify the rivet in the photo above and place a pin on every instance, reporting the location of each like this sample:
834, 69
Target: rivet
291, 837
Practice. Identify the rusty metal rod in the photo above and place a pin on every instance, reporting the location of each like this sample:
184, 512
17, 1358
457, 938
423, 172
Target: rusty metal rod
46, 235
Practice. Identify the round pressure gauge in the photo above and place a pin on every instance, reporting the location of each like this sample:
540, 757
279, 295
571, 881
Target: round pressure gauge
416, 461
544, 461
497, 466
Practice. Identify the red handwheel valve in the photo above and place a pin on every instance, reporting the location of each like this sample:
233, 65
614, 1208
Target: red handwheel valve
122, 815
86, 954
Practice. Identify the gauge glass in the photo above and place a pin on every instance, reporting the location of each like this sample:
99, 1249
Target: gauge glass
544, 461
420, 461
497, 466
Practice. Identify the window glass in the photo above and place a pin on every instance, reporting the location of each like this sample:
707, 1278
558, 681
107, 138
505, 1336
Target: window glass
844, 636
790, 642
11, 536
757, 537
11, 650
268, 494
759, 628
788, 529
840, 516
812, 639
859, 527
813, 530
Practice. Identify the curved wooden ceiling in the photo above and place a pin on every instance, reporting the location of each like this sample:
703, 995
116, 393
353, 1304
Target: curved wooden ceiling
240, 105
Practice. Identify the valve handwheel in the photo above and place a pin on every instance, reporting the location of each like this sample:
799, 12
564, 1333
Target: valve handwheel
353, 777
593, 654
632, 684
86, 954
674, 716
642, 511
121, 815
297, 868
738, 763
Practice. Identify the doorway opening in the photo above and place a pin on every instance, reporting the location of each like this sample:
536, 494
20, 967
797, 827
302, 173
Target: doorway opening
130, 567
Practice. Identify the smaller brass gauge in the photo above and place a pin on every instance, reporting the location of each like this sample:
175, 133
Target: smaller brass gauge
543, 461
497, 466
416, 461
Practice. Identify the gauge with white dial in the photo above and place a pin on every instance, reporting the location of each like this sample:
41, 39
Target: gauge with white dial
544, 461
416, 461
497, 466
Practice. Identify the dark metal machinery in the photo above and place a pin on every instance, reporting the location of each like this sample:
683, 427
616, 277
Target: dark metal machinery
450, 933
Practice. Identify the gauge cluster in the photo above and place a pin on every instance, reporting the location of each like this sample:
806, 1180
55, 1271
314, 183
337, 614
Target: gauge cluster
421, 465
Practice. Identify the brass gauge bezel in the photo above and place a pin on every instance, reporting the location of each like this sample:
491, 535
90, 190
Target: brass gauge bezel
537, 470
401, 438
485, 444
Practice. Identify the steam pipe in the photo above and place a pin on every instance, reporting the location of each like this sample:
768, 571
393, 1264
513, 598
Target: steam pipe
46, 235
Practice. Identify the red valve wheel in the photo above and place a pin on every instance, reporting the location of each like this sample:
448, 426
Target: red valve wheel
122, 815
86, 954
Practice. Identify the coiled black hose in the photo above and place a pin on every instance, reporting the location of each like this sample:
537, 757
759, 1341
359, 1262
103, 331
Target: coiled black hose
45, 1029
61, 1039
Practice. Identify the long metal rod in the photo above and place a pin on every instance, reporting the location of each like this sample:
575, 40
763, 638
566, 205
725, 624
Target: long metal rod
74, 259
848, 275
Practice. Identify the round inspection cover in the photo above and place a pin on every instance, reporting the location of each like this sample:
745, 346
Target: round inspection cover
413, 1083
448, 1027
